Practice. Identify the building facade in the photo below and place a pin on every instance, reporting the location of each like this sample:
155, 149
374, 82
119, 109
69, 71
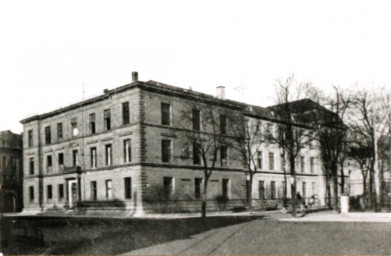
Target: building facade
128, 150
11, 169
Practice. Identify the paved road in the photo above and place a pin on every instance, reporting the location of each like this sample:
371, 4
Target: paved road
271, 236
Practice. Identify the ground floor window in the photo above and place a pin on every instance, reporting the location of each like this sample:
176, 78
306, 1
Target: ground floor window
225, 188
128, 187
60, 191
168, 187
261, 189
49, 192
31, 193
93, 191
108, 189
198, 186
272, 190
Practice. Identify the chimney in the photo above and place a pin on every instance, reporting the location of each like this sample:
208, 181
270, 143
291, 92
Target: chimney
220, 92
134, 76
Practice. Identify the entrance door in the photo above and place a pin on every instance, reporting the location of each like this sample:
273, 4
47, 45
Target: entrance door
72, 192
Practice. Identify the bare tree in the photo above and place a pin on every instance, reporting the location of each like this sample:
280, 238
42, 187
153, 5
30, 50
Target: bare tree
208, 135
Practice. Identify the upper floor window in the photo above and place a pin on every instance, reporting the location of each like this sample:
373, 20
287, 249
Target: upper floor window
93, 157
166, 116
92, 125
60, 160
49, 163
223, 156
283, 163
107, 119
74, 129
125, 113
196, 119
127, 151
75, 160
109, 154
223, 124
31, 165
59, 131
271, 161
48, 135
259, 159
302, 164
166, 151
312, 163
30, 138
196, 154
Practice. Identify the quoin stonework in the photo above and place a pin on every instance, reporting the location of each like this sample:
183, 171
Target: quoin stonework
125, 151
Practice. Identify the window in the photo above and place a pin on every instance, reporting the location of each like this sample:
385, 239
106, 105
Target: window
168, 187
283, 163
75, 160
59, 131
4, 161
93, 157
60, 160
31, 193
223, 156
30, 138
166, 151
166, 119
108, 154
196, 119
197, 186
108, 189
225, 188
92, 125
48, 137
304, 187
125, 113
271, 161
302, 164
50, 192
312, 164
74, 127
31, 165
273, 190
259, 159
60, 191
49, 163
223, 124
128, 188
196, 154
94, 194
107, 119
313, 188
127, 151
269, 132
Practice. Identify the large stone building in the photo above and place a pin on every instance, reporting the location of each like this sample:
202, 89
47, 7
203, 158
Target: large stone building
128, 148
11, 171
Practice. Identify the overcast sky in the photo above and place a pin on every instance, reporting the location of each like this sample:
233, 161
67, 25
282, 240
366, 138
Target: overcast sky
49, 49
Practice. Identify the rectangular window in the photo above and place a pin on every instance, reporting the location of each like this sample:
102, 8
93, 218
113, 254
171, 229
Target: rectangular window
283, 163
94, 194
74, 129
30, 138
302, 164
92, 124
166, 118
59, 131
127, 151
314, 192
273, 190
196, 154
168, 187
223, 124
125, 113
108, 154
107, 119
4, 161
312, 164
223, 156
196, 119
259, 159
93, 157
48, 136
271, 161
109, 194
50, 192
225, 188
49, 163
166, 151
198, 186
269, 132
31, 165
61, 160
261, 189
128, 188
75, 160
304, 187
31, 193
60, 191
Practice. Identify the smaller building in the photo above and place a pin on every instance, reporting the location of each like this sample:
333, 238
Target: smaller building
11, 170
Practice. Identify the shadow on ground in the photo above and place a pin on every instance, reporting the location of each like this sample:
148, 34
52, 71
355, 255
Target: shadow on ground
60, 235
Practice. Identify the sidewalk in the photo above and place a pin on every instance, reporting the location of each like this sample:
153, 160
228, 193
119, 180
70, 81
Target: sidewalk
330, 216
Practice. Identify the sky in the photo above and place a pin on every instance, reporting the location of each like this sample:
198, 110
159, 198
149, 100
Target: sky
53, 51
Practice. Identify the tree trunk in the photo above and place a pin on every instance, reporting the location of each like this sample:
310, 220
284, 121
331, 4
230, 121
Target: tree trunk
371, 197
335, 205
250, 189
342, 179
293, 173
364, 190
204, 198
